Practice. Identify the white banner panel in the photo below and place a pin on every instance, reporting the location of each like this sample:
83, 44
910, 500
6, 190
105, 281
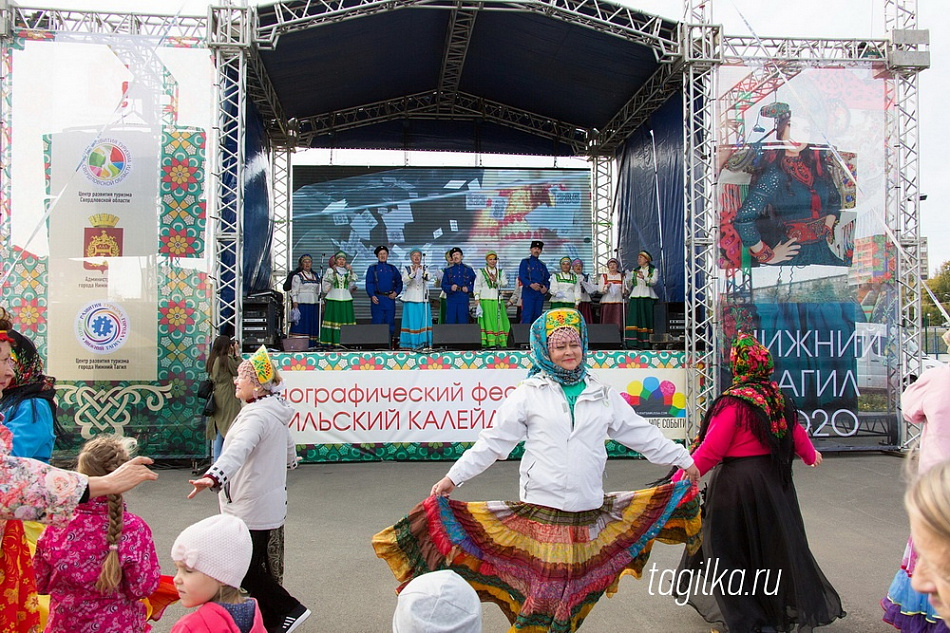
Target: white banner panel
450, 405
103, 233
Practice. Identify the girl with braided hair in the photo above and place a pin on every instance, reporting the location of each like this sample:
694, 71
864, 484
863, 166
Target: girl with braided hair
99, 567
752, 523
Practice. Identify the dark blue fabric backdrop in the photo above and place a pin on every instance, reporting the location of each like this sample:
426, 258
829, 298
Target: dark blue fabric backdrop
645, 161
258, 229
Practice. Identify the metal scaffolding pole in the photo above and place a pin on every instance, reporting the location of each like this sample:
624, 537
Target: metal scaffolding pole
229, 37
602, 174
702, 56
908, 54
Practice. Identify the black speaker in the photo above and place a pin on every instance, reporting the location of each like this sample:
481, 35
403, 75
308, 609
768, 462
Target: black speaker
457, 336
373, 336
521, 335
669, 318
603, 336
261, 321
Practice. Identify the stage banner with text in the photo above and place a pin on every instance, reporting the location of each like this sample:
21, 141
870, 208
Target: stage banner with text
447, 398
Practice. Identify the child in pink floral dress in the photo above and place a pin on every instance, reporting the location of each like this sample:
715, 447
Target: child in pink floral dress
99, 567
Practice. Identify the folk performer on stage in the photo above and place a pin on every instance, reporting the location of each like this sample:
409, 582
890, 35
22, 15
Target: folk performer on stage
535, 280
457, 281
383, 284
339, 282
565, 287
305, 297
416, 331
587, 289
611, 294
491, 311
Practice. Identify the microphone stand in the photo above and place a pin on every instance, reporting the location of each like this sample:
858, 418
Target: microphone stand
623, 300
323, 257
425, 296
498, 307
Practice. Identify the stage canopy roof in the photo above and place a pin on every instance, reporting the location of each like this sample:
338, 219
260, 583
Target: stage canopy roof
547, 77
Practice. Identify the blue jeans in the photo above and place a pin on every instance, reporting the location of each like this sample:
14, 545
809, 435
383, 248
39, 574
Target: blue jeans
216, 446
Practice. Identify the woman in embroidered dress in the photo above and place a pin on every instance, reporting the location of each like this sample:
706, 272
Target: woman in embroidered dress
797, 192
250, 478
565, 287
611, 294
416, 329
339, 282
751, 519
515, 554
641, 284
586, 289
491, 311
305, 297
924, 403
98, 568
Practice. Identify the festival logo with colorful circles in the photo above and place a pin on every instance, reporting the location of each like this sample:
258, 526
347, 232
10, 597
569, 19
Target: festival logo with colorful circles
107, 162
656, 397
102, 328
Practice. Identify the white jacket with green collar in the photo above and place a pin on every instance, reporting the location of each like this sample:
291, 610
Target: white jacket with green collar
563, 463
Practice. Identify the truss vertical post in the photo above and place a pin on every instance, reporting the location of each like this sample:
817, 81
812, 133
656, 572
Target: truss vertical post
602, 172
229, 38
908, 54
702, 56
280, 195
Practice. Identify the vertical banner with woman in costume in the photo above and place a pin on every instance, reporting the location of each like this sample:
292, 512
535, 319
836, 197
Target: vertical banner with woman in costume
801, 214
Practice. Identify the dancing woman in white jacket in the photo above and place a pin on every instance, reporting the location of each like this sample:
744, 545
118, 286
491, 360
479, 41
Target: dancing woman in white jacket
547, 560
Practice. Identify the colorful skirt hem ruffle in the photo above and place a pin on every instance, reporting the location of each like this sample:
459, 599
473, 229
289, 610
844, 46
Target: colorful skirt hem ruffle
545, 568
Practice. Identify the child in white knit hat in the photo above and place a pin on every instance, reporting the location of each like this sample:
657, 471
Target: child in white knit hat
212, 557
438, 602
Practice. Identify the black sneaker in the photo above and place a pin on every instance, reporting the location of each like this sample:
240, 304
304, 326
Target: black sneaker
294, 619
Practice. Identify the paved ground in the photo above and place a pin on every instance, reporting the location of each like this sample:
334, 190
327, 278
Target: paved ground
851, 504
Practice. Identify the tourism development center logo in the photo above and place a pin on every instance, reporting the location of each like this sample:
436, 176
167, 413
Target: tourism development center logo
102, 328
107, 162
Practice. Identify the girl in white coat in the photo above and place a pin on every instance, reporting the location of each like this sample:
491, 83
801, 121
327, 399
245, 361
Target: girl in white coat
547, 560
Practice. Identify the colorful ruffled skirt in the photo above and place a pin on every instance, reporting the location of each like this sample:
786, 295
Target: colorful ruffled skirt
906, 609
545, 568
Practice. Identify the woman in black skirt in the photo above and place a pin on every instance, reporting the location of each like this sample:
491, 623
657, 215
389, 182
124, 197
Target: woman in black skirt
754, 571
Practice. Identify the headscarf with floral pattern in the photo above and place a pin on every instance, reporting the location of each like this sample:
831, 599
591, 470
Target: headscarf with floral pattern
752, 382
543, 327
28, 381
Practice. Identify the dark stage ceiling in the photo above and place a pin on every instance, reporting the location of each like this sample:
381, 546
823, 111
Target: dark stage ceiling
549, 78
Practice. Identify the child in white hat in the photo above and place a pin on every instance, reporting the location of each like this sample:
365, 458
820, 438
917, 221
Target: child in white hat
438, 602
212, 557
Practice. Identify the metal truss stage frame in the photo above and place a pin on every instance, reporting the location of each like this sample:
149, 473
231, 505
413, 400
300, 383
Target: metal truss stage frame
688, 56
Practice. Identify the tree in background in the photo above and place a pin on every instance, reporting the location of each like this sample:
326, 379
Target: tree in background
939, 285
